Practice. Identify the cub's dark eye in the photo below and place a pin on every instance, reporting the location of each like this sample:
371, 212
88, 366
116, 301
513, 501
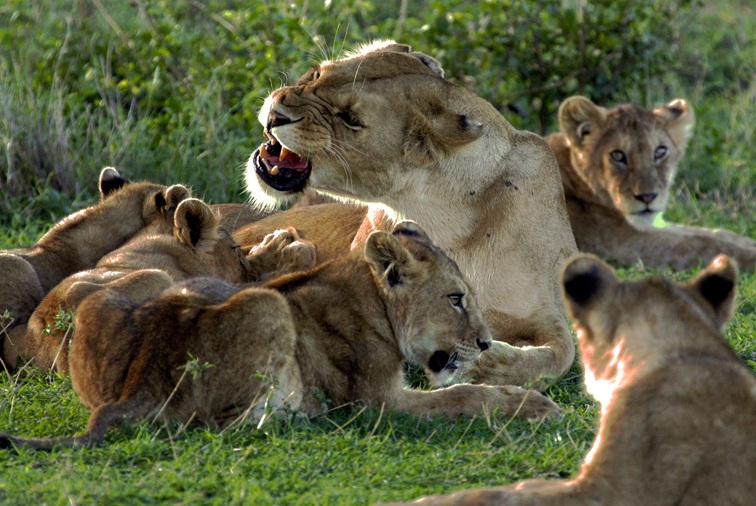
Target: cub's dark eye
660, 153
457, 300
350, 119
618, 156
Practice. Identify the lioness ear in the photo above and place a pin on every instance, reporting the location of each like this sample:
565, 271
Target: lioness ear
168, 200
437, 134
585, 279
110, 181
678, 120
195, 224
429, 62
578, 117
715, 286
391, 46
392, 264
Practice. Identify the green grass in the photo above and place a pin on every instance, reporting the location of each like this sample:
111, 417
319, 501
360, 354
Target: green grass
351, 455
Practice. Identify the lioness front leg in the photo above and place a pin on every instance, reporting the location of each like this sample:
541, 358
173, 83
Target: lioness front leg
529, 493
474, 400
512, 363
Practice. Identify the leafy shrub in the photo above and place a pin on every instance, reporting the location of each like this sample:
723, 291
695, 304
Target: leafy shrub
170, 90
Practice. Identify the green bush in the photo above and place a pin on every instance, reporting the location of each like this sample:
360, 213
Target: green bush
170, 90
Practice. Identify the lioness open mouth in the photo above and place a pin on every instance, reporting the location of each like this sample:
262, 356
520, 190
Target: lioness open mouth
279, 168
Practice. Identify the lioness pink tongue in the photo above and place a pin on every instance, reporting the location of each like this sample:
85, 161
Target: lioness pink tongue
285, 160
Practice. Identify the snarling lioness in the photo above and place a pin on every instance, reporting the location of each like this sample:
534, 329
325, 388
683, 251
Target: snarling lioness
79, 240
617, 168
340, 332
678, 409
384, 127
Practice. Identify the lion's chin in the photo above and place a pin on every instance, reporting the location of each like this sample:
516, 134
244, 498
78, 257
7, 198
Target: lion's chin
261, 194
644, 220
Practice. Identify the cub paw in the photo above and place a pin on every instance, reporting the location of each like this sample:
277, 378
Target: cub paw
281, 252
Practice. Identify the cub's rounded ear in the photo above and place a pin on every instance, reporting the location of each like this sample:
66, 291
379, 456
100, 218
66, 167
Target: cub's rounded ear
411, 229
167, 201
585, 279
110, 181
578, 117
392, 264
715, 286
195, 224
678, 121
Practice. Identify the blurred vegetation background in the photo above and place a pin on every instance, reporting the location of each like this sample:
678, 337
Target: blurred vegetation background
169, 90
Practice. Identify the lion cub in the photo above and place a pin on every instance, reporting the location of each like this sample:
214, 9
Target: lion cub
79, 240
341, 330
147, 265
617, 169
678, 409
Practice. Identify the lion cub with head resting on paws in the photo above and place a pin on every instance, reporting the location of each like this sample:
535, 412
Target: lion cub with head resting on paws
678, 409
342, 329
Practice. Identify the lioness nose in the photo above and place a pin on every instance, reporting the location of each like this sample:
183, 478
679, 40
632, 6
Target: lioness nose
646, 198
483, 345
277, 119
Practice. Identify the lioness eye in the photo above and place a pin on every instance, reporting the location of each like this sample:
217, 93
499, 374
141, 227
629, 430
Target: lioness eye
618, 156
349, 119
456, 300
660, 152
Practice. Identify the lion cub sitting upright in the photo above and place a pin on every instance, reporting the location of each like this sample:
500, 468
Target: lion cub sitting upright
341, 330
678, 409
617, 168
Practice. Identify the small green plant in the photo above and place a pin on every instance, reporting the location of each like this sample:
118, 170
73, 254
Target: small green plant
63, 323
194, 367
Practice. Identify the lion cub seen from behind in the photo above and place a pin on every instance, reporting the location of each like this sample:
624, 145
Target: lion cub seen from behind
678, 409
343, 329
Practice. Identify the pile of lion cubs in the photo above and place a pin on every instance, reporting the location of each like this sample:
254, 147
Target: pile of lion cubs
268, 308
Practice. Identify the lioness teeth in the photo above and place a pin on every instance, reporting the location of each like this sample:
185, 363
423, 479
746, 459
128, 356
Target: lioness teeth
264, 152
284, 153
274, 171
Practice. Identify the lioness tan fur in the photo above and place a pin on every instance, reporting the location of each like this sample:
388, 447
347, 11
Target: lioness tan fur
146, 266
384, 126
617, 168
340, 332
79, 241
678, 409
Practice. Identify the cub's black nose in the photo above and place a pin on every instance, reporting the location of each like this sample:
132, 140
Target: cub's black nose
483, 345
646, 198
